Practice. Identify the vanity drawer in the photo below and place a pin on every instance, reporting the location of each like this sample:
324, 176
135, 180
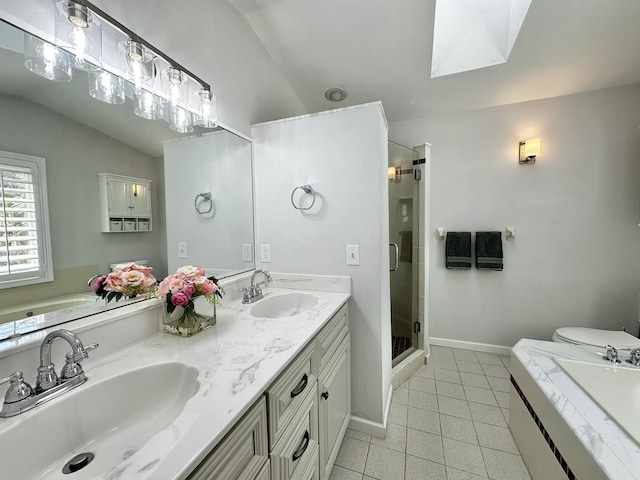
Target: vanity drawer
330, 337
243, 452
287, 393
298, 444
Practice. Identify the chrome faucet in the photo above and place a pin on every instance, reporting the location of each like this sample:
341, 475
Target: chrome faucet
634, 357
20, 397
253, 292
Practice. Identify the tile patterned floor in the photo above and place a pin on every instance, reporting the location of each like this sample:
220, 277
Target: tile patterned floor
447, 422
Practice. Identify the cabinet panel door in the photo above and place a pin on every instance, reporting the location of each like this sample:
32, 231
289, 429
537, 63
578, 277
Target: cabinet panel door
141, 206
334, 409
118, 195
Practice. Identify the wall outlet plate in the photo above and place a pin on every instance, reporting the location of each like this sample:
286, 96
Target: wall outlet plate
353, 255
182, 249
265, 253
247, 253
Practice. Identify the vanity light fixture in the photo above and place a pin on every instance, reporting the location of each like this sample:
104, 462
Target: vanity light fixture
79, 32
46, 60
137, 61
147, 105
106, 87
88, 39
181, 119
529, 150
208, 115
175, 85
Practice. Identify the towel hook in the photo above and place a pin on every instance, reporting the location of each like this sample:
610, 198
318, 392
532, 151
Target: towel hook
206, 197
308, 190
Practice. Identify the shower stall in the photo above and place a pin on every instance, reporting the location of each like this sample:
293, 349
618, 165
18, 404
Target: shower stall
405, 216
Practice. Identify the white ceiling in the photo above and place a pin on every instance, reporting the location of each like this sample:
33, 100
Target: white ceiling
381, 50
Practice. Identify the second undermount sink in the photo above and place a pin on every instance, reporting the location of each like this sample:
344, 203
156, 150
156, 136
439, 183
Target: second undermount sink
284, 305
615, 389
111, 419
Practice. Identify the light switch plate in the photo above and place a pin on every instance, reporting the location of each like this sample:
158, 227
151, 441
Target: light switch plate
353, 254
182, 249
247, 254
265, 253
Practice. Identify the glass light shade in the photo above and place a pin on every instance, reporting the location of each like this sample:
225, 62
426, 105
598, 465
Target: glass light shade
532, 147
175, 85
79, 31
106, 87
208, 111
147, 105
137, 61
46, 60
181, 120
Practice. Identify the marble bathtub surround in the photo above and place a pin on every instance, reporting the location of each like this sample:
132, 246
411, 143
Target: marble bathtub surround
236, 360
614, 451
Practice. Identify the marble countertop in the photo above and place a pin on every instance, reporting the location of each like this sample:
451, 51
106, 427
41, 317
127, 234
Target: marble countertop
237, 359
612, 448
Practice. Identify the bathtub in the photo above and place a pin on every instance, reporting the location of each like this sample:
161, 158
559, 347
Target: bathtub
25, 318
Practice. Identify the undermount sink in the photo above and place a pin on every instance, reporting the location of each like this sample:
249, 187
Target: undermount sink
615, 389
284, 305
110, 418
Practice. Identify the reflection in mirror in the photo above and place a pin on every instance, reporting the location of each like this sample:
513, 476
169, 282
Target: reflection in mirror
80, 138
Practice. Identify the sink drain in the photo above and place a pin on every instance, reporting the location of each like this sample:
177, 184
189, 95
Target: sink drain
78, 462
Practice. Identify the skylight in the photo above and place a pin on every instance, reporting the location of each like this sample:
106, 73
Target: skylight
471, 34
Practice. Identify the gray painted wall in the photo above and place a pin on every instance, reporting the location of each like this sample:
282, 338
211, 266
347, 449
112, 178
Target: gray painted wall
74, 156
576, 257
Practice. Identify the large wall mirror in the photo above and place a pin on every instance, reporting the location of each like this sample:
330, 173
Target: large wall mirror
80, 138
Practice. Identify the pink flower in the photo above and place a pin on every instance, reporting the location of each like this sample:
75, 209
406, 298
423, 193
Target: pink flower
99, 285
149, 281
209, 287
115, 282
189, 289
180, 299
133, 278
176, 284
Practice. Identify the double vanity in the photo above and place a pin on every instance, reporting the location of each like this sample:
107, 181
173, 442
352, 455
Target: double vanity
265, 393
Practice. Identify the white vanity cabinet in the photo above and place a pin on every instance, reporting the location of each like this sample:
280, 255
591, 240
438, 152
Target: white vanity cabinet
307, 410
334, 388
243, 454
125, 203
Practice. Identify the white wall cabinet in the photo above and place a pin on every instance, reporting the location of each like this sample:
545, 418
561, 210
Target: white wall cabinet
125, 203
307, 414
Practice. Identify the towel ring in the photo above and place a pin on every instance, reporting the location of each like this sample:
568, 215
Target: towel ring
206, 197
306, 189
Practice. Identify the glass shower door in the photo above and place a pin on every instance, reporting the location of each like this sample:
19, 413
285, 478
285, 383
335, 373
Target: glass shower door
403, 251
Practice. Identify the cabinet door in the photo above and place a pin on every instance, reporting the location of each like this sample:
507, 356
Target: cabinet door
118, 197
334, 406
140, 199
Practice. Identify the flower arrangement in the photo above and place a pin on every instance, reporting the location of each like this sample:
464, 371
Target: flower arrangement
127, 280
179, 292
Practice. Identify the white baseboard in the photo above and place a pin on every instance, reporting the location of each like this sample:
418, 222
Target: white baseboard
378, 430
478, 347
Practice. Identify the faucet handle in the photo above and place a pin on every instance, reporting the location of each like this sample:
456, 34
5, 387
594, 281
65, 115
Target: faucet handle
81, 355
18, 388
634, 357
612, 355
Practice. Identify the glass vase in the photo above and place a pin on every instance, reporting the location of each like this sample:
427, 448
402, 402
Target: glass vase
185, 322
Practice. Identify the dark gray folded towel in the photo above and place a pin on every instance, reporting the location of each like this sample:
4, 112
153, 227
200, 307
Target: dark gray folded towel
458, 250
489, 251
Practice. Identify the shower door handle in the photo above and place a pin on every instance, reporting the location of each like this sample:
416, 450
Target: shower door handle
397, 256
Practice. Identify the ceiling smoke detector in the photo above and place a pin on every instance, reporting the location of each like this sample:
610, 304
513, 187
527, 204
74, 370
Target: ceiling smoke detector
335, 94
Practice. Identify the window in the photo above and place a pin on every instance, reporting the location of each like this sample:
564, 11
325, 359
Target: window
25, 246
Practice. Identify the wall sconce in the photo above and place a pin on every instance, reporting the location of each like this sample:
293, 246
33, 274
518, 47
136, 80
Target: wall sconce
392, 173
529, 150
